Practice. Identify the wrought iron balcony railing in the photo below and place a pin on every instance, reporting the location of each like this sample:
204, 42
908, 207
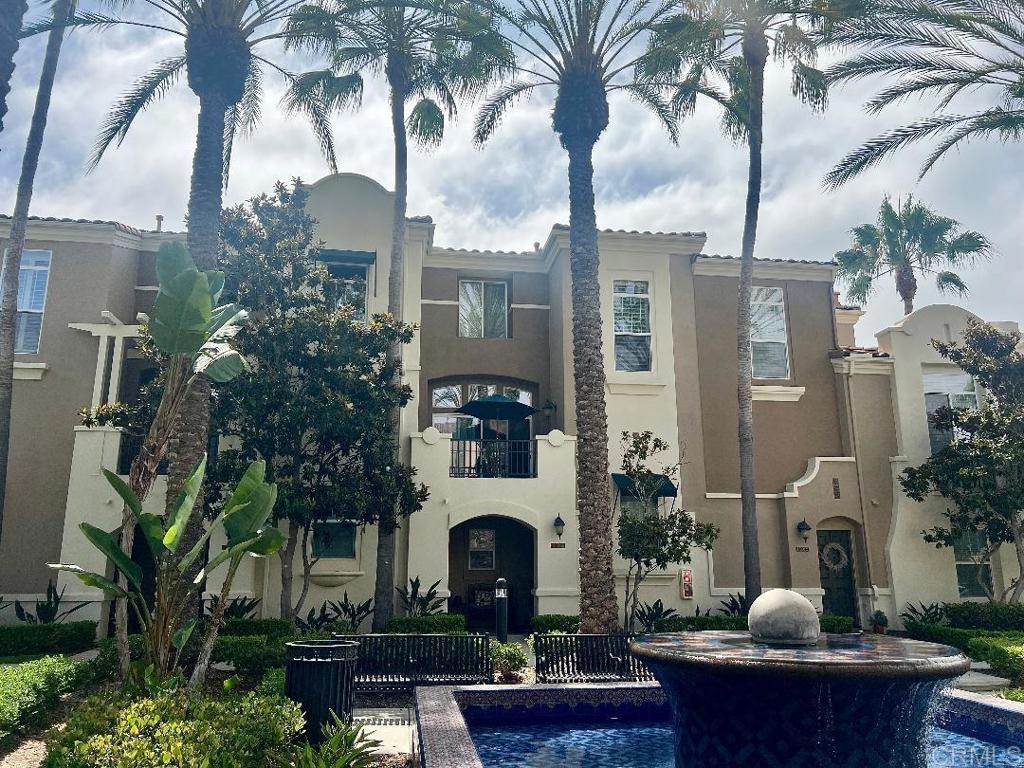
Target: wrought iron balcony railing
494, 458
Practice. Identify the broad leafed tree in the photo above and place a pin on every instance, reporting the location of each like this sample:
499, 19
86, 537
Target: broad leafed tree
584, 50
959, 52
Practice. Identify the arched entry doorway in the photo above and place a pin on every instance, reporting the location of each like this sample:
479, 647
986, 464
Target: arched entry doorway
482, 550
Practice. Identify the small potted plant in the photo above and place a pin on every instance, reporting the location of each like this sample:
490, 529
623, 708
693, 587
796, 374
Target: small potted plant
880, 622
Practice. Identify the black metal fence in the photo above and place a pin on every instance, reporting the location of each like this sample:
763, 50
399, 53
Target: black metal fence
587, 659
494, 458
399, 663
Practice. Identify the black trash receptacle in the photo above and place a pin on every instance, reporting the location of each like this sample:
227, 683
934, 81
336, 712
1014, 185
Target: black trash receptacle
320, 677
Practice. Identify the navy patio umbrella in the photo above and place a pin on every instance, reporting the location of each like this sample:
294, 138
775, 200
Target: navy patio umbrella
497, 407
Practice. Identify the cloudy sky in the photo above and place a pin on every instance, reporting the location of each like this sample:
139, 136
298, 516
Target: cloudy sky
507, 195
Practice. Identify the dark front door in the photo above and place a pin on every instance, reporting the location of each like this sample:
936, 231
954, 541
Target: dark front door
835, 564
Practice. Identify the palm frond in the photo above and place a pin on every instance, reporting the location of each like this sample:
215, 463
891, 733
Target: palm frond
950, 282
149, 88
495, 107
242, 118
316, 95
426, 123
650, 96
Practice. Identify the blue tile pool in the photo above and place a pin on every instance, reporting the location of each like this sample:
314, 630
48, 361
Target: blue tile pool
649, 745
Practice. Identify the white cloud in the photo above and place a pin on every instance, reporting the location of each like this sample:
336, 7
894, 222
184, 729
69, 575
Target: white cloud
508, 194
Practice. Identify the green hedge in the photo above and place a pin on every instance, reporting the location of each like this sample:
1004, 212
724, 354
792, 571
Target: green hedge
556, 622
995, 617
250, 731
24, 639
835, 625
1005, 654
435, 624
250, 627
958, 638
701, 623
252, 655
29, 690
272, 682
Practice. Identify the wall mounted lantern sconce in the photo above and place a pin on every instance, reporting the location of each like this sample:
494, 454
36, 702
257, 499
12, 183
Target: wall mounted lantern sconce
550, 409
804, 529
559, 526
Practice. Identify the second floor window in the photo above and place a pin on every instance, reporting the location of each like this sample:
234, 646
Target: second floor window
973, 569
632, 307
768, 341
954, 390
483, 309
349, 285
33, 280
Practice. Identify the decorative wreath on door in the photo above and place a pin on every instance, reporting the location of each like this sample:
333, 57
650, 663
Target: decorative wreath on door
834, 557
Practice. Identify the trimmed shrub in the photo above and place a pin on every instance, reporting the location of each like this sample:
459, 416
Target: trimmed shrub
958, 638
249, 731
835, 625
250, 627
252, 655
70, 637
509, 660
701, 623
994, 617
1013, 694
434, 624
29, 690
1005, 654
556, 622
272, 683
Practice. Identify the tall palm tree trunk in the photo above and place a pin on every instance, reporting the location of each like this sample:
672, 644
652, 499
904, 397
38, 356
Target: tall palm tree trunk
906, 287
755, 53
188, 437
384, 587
598, 605
16, 243
10, 25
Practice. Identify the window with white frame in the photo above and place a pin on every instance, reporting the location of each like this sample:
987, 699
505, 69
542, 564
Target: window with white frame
953, 389
483, 309
33, 280
631, 301
446, 399
349, 284
769, 347
973, 569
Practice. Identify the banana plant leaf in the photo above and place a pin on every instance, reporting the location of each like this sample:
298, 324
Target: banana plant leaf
219, 362
106, 544
126, 493
90, 579
266, 542
183, 506
181, 313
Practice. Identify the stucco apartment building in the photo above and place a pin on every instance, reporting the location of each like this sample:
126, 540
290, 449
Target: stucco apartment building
835, 423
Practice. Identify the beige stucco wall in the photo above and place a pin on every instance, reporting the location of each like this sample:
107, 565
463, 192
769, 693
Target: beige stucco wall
920, 572
85, 278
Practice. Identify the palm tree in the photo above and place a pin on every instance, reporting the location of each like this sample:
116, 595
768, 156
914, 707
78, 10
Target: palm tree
725, 46
585, 50
10, 27
907, 241
19, 224
224, 67
426, 56
940, 48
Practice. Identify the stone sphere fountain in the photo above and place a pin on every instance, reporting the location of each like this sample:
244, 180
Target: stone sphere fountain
784, 696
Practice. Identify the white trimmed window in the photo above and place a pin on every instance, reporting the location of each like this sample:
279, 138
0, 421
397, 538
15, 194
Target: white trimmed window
631, 300
350, 285
954, 389
483, 309
769, 348
33, 280
973, 568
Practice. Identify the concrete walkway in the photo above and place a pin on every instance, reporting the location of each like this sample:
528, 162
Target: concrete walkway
393, 727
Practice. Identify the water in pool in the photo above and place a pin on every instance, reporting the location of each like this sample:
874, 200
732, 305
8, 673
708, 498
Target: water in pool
649, 745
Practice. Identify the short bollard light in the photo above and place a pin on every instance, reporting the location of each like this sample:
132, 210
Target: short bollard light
501, 610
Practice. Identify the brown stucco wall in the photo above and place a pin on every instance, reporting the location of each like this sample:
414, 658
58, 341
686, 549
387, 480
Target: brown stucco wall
786, 433
84, 279
523, 356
